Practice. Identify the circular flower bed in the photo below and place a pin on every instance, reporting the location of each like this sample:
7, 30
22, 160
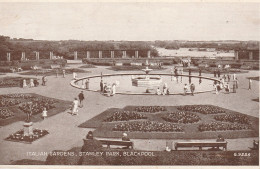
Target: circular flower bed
37, 105
150, 109
124, 116
5, 113
147, 126
204, 109
181, 117
233, 118
19, 136
218, 126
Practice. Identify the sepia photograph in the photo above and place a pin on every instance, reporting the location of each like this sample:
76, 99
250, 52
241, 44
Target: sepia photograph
135, 83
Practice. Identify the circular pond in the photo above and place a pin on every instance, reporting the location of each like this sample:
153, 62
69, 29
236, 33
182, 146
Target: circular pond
125, 84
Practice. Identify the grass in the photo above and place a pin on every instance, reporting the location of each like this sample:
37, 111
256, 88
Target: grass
211, 70
12, 81
88, 66
19, 115
104, 129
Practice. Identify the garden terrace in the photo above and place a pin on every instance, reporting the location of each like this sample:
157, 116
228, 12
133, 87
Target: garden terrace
171, 123
13, 107
52, 72
233, 118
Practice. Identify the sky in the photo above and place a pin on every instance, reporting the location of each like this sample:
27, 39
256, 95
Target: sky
131, 21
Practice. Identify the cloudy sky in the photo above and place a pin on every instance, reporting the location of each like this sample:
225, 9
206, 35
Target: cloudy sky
131, 21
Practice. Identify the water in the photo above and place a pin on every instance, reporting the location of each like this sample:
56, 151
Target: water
174, 84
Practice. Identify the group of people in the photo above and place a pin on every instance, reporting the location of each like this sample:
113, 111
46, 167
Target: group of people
78, 102
191, 87
32, 83
165, 90
108, 89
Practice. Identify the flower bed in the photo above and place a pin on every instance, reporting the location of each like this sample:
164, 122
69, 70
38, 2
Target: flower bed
204, 109
218, 126
18, 96
9, 102
5, 113
19, 136
147, 126
124, 116
233, 118
150, 109
37, 105
181, 117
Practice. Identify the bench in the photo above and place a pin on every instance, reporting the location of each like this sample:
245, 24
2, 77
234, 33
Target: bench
117, 143
201, 144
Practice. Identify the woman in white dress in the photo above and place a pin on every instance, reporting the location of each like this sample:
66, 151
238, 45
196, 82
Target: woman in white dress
113, 90
31, 83
24, 83
75, 107
44, 113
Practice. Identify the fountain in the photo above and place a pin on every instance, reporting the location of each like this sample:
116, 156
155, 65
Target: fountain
147, 80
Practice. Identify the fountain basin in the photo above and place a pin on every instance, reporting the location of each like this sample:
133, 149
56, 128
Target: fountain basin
146, 81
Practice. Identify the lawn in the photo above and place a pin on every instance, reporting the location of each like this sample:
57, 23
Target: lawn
189, 130
52, 72
13, 81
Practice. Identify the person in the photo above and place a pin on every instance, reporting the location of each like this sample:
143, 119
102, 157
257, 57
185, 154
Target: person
228, 77
215, 73
24, 83
74, 75
81, 98
185, 89
200, 72
44, 80
63, 73
234, 76
218, 88
227, 88
75, 107
125, 137
57, 72
35, 82
90, 135
236, 82
31, 83
234, 87
189, 71
220, 138
192, 89
44, 113
87, 84
219, 73
113, 91
256, 145
250, 84
171, 73
158, 91
101, 86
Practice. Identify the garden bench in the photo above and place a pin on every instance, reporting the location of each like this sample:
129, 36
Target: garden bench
117, 143
201, 144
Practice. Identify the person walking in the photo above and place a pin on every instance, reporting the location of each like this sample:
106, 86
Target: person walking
101, 86
185, 89
81, 98
236, 82
44, 113
192, 89
87, 83
63, 73
24, 83
113, 92
250, 84
75, 107
234, 87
